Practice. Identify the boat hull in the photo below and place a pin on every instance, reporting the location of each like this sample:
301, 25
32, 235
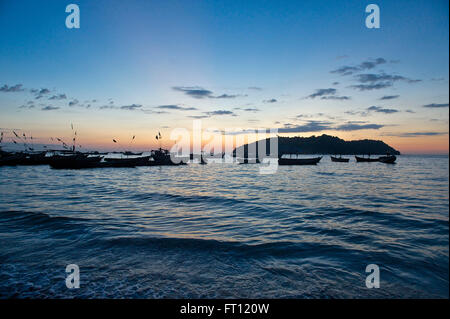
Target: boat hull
299, 161
75, 162
339, 159
139, 161
388, 159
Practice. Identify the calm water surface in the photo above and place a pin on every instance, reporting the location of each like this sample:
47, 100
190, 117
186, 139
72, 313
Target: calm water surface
225, 231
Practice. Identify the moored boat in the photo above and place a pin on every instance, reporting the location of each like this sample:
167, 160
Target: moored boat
389, 159
11, 159
299, 161
76, 161
128, 153
339, 159
39, 158
162, 157
135, 161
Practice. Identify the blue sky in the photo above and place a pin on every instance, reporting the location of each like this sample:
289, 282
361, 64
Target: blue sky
233, 63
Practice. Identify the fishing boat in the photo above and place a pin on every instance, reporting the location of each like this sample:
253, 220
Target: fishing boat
11, 159
161, 157
298, 161
128, 153
39, 158
76, 161
135, 161
366, 159
388, 159
339, 159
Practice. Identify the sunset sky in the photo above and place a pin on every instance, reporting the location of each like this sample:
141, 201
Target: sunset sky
304, 67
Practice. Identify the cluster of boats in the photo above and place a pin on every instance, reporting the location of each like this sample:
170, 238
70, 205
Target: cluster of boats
388, 159
285, 159
160, 157
78, 160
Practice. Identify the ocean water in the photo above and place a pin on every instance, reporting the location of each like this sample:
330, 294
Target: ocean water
225, 231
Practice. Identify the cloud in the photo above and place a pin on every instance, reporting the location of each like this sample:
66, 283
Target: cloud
255, 88
389, 97
335, 97
250, 109
14, 88
176, 107
193, 91
311, 126
227, 96
327, 94
304, 116
58, 97
220, 112
322, 92
356, 127
40, 93
372, 78
73, 102
201, 93
436, 105
379, 109
371, 81
154, 112
50, 108
368, 87
104, 107
198, 117
365, 65
270, 101
417, 134
28, 105
131, 107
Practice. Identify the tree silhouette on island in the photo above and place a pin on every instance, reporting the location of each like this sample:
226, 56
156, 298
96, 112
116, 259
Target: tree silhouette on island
324, 144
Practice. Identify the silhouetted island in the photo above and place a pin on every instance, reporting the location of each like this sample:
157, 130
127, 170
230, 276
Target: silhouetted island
325, 144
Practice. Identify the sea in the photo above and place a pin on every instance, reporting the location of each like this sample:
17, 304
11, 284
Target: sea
227, 231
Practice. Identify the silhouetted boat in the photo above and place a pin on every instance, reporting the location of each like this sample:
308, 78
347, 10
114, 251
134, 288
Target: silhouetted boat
76, 161
39, 158
339, 159
162, 157
366, 159
299, 161
135, 161
11, 159
389, 159
131, 153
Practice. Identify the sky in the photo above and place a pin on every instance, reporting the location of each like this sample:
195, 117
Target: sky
134, 68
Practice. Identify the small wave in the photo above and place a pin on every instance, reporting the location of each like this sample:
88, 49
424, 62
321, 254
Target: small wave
284, 249
38, 219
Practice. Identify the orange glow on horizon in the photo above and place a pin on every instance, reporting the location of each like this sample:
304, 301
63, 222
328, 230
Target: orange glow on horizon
146, 141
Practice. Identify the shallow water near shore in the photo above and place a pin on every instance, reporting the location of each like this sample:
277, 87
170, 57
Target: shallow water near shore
226, 231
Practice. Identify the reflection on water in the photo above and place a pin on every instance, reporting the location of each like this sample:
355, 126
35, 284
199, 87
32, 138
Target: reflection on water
203, 231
